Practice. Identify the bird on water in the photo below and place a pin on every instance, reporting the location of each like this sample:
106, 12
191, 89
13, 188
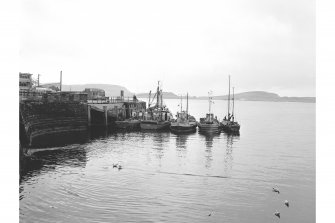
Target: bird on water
286, 203
277, 214
119, 167
275, 190
114, 165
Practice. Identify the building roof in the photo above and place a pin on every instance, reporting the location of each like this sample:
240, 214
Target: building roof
94, 89
57, 84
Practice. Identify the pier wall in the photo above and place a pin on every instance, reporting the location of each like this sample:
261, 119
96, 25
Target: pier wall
115, 111
52, 123
58, 121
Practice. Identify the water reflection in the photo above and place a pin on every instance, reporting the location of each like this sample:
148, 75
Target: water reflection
209, 138
99, 132
181, 144
41, 161
181, 141
160, 140
58, 139
228, 158
208, 152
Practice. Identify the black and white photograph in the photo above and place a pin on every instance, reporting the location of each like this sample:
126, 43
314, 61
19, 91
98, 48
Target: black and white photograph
166, 111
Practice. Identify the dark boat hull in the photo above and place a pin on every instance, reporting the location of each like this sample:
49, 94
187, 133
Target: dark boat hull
154, 125
209, 127
128, 125
183, 128
230, 127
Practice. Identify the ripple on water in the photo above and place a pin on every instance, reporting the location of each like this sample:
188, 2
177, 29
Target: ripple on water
173, 178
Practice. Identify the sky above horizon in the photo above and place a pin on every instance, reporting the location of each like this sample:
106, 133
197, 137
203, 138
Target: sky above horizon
190, 46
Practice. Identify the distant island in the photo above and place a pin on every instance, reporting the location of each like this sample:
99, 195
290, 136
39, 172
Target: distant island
245, 96
114, 91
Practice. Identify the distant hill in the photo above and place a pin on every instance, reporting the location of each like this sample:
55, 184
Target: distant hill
166, 95
263, 96
114, 90
245, 96
252, 96
110, 89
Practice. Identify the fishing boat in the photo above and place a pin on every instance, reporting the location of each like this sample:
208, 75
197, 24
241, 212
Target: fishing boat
209, 124
229, 124
156, 117
128, 124
184, 123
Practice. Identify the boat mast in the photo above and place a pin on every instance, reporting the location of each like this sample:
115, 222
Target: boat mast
161, 94
158, 95
149, 98
187, 105
181, 103
161, 104
233, 104
209, 102
229, 97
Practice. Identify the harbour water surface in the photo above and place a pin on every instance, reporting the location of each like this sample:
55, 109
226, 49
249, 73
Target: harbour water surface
185, 178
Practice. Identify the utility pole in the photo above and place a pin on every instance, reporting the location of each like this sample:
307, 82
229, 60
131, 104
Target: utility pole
60, 83
38, 80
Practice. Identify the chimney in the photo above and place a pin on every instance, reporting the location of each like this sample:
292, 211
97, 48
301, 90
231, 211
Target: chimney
122, 95
60, 82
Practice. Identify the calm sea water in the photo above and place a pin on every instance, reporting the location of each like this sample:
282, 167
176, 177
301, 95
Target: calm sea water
186, 178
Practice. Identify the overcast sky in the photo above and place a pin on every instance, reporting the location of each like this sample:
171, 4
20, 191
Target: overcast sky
191, 46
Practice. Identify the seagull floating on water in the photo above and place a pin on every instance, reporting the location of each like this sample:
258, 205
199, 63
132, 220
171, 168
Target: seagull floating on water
277, 214
210, 214
119, 167
275, 190
114, 165
286, 203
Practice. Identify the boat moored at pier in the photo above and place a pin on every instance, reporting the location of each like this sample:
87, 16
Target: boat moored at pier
154, 125
184, 123
209, 124
156, 117
228, 124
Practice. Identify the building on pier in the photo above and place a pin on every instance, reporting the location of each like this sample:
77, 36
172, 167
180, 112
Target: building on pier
25, 81
95, 93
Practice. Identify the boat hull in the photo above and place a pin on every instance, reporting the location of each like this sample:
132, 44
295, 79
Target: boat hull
209, 127
154, 125
175, 128
230, 127
128, 125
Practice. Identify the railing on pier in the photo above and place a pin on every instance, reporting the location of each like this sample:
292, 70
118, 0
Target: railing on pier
111, 100
30, 95
63, 96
